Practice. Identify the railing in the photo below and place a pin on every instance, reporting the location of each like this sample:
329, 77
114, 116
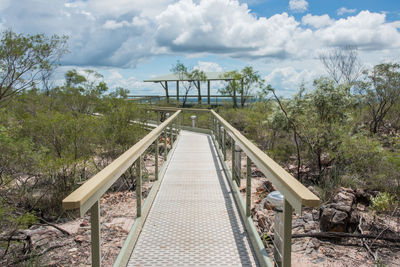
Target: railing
87, 197
296, 195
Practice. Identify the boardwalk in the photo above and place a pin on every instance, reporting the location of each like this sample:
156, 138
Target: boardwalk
194, 220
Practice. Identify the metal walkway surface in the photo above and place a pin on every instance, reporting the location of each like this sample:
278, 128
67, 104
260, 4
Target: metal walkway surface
194, 220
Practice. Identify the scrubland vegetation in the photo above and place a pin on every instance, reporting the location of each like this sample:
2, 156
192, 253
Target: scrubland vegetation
344, 131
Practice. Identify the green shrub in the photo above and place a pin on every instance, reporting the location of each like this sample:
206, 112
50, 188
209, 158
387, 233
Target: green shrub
382, 202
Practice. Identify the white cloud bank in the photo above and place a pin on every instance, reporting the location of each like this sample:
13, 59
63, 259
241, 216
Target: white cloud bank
298, 5
122, 34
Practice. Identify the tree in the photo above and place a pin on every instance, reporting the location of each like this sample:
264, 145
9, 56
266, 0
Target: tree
342, 64
188, 78
317, 119
27, 60
242, 83
381, 92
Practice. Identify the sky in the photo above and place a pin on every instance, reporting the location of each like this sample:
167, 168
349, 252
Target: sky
130, 41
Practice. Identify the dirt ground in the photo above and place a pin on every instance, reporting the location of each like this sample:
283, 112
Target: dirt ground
118, 212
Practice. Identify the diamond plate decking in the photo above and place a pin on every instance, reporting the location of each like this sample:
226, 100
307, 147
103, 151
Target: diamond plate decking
194, 220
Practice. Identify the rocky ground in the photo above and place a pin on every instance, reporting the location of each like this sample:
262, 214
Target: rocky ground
68, 243
346, 212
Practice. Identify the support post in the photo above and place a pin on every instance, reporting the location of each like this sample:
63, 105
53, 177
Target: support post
177, 91
198, 88
224, 143
233, 159
171, 137
139, 187
287, 234
166, 90
208, 92
158, 117
95, 234
156, 161
238, 164
234, 97
248, 187
242, 93
165, 144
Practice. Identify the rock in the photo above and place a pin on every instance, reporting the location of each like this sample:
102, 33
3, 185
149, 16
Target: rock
332, 220
297, 223
309, 226
79, 238
307, 217
360, 207
335, 216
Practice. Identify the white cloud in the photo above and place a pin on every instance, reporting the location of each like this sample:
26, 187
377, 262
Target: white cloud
195, 28
120, 34
288, 78
317, 21
208, 66
298, 5
343, 10
366, 31
112, 24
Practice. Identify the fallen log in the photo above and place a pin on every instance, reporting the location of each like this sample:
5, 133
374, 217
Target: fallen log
340, 235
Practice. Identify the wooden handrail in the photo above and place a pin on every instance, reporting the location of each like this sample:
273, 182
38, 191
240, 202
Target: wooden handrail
294, 191
182, 109
87, 194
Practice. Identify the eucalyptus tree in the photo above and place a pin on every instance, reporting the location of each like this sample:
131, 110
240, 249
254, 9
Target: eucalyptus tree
188, 78
243, 83
27, 60
381, 92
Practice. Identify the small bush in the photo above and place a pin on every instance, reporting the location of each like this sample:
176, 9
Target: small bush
382, 202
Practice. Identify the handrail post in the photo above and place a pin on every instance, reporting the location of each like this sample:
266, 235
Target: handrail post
165, 144
233, 158
156, 161
224, 143
238, 164
248, 187
95, 233
139, 187
287, 234
158, 118
171, 137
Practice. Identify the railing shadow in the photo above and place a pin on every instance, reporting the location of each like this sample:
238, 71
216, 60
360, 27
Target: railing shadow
240, 234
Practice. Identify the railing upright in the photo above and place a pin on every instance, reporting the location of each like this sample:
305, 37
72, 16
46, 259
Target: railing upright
139, 187
156, 160
95, 234
248, 187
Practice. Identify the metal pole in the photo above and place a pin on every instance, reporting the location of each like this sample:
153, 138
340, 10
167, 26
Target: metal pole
156, 161
248, 187
224, 144
165, 144
208, 92
171, 138
287, 234
238, 164
95, 234
177, 91
233, 159
139, 187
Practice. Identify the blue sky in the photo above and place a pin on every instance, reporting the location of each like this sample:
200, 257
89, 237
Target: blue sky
129, 41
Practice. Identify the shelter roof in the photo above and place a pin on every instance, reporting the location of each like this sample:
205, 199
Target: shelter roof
211, 76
